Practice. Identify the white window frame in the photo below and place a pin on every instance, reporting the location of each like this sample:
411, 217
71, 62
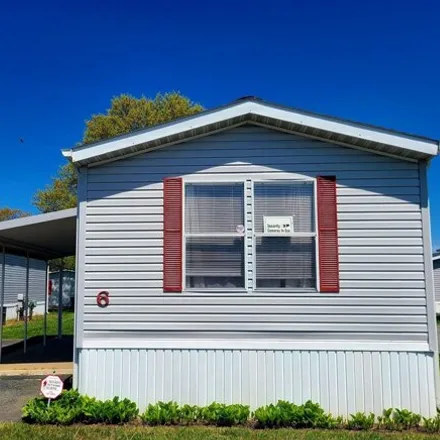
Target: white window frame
314, 234
249, 288
185, 235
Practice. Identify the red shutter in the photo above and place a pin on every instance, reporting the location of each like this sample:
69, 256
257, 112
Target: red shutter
172, 238
328, 235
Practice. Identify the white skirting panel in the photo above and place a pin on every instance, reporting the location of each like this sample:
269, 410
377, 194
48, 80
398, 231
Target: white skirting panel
343, 382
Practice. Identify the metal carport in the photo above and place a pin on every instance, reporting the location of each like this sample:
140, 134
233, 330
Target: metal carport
45, 236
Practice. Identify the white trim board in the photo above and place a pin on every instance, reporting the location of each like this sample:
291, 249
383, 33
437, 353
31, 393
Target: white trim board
237, 344
255, 111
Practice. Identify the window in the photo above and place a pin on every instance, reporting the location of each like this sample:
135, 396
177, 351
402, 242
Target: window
214, 235
285, 234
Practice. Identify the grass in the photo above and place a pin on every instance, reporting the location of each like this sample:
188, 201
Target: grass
20, 431
15, 330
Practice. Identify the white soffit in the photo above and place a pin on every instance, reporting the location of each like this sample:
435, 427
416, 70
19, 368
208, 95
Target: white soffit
252, 110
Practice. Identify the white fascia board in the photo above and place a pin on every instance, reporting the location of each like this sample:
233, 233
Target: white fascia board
154, 133
349, 129
235, 110
66, 153
436, 258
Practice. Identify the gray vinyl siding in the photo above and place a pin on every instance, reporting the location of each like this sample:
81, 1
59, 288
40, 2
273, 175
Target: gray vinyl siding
37, 280
15, 278
437, 280
382, 277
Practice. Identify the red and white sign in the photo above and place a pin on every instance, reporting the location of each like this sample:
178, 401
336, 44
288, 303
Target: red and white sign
51, 387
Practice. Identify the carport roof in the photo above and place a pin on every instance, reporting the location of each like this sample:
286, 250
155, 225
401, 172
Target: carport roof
47, 236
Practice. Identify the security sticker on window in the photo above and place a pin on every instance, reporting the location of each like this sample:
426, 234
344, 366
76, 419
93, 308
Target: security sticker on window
278, 225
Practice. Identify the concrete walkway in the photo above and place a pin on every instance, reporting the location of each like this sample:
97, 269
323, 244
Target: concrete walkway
14, 393
36, 369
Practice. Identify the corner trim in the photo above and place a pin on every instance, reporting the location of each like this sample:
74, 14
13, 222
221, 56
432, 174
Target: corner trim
429, 273
80, 261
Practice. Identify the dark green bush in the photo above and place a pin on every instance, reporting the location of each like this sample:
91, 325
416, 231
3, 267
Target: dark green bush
161, 413
361, 421
386, 421
65, 410
225, 415
405, 419
112, 412
219, 414
71, 407
431, 424
287, 414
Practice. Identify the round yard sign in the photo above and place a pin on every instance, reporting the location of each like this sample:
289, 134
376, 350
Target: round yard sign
51, 387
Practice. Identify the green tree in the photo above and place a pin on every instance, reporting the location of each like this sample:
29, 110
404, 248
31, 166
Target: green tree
11, 214
126, 114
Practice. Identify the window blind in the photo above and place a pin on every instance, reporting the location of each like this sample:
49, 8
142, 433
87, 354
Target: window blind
285, 260
284, 199
214, 233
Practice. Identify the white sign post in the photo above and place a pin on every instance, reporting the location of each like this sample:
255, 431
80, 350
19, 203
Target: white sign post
51, 387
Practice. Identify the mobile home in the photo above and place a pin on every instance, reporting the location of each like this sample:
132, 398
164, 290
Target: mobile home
252, 253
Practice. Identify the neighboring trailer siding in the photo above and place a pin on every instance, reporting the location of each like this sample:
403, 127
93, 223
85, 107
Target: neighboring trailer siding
437, 280
343, 382
382, 279
15, 278
68, 288
37, 280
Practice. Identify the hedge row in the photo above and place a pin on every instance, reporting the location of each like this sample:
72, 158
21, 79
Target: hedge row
71, 407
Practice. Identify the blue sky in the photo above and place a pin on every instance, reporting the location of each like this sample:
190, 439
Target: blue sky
375, 61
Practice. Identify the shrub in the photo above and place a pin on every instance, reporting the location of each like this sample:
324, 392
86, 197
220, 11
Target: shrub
405, 419
65, 410
386, 421
162, 414
114, 412
286, 414
71, 407
431, 424
361, 421
190, 414
225, 415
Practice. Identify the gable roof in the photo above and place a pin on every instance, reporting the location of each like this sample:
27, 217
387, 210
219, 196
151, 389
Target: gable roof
256, 111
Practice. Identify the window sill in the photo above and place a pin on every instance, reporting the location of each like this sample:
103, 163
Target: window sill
255, 293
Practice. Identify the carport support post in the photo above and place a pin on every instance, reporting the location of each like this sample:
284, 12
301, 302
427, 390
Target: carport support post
46, 299
60, 303
2, 300
26, 301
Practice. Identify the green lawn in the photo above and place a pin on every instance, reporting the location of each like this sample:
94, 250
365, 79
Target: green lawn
15, 330
19, 431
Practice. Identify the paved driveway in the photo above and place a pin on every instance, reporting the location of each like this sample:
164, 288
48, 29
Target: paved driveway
15, 391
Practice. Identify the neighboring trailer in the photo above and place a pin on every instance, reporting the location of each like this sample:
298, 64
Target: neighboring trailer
68, 289
15, 284
245, 258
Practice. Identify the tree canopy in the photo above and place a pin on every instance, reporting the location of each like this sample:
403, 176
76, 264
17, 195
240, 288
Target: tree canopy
126, 114
11, 214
